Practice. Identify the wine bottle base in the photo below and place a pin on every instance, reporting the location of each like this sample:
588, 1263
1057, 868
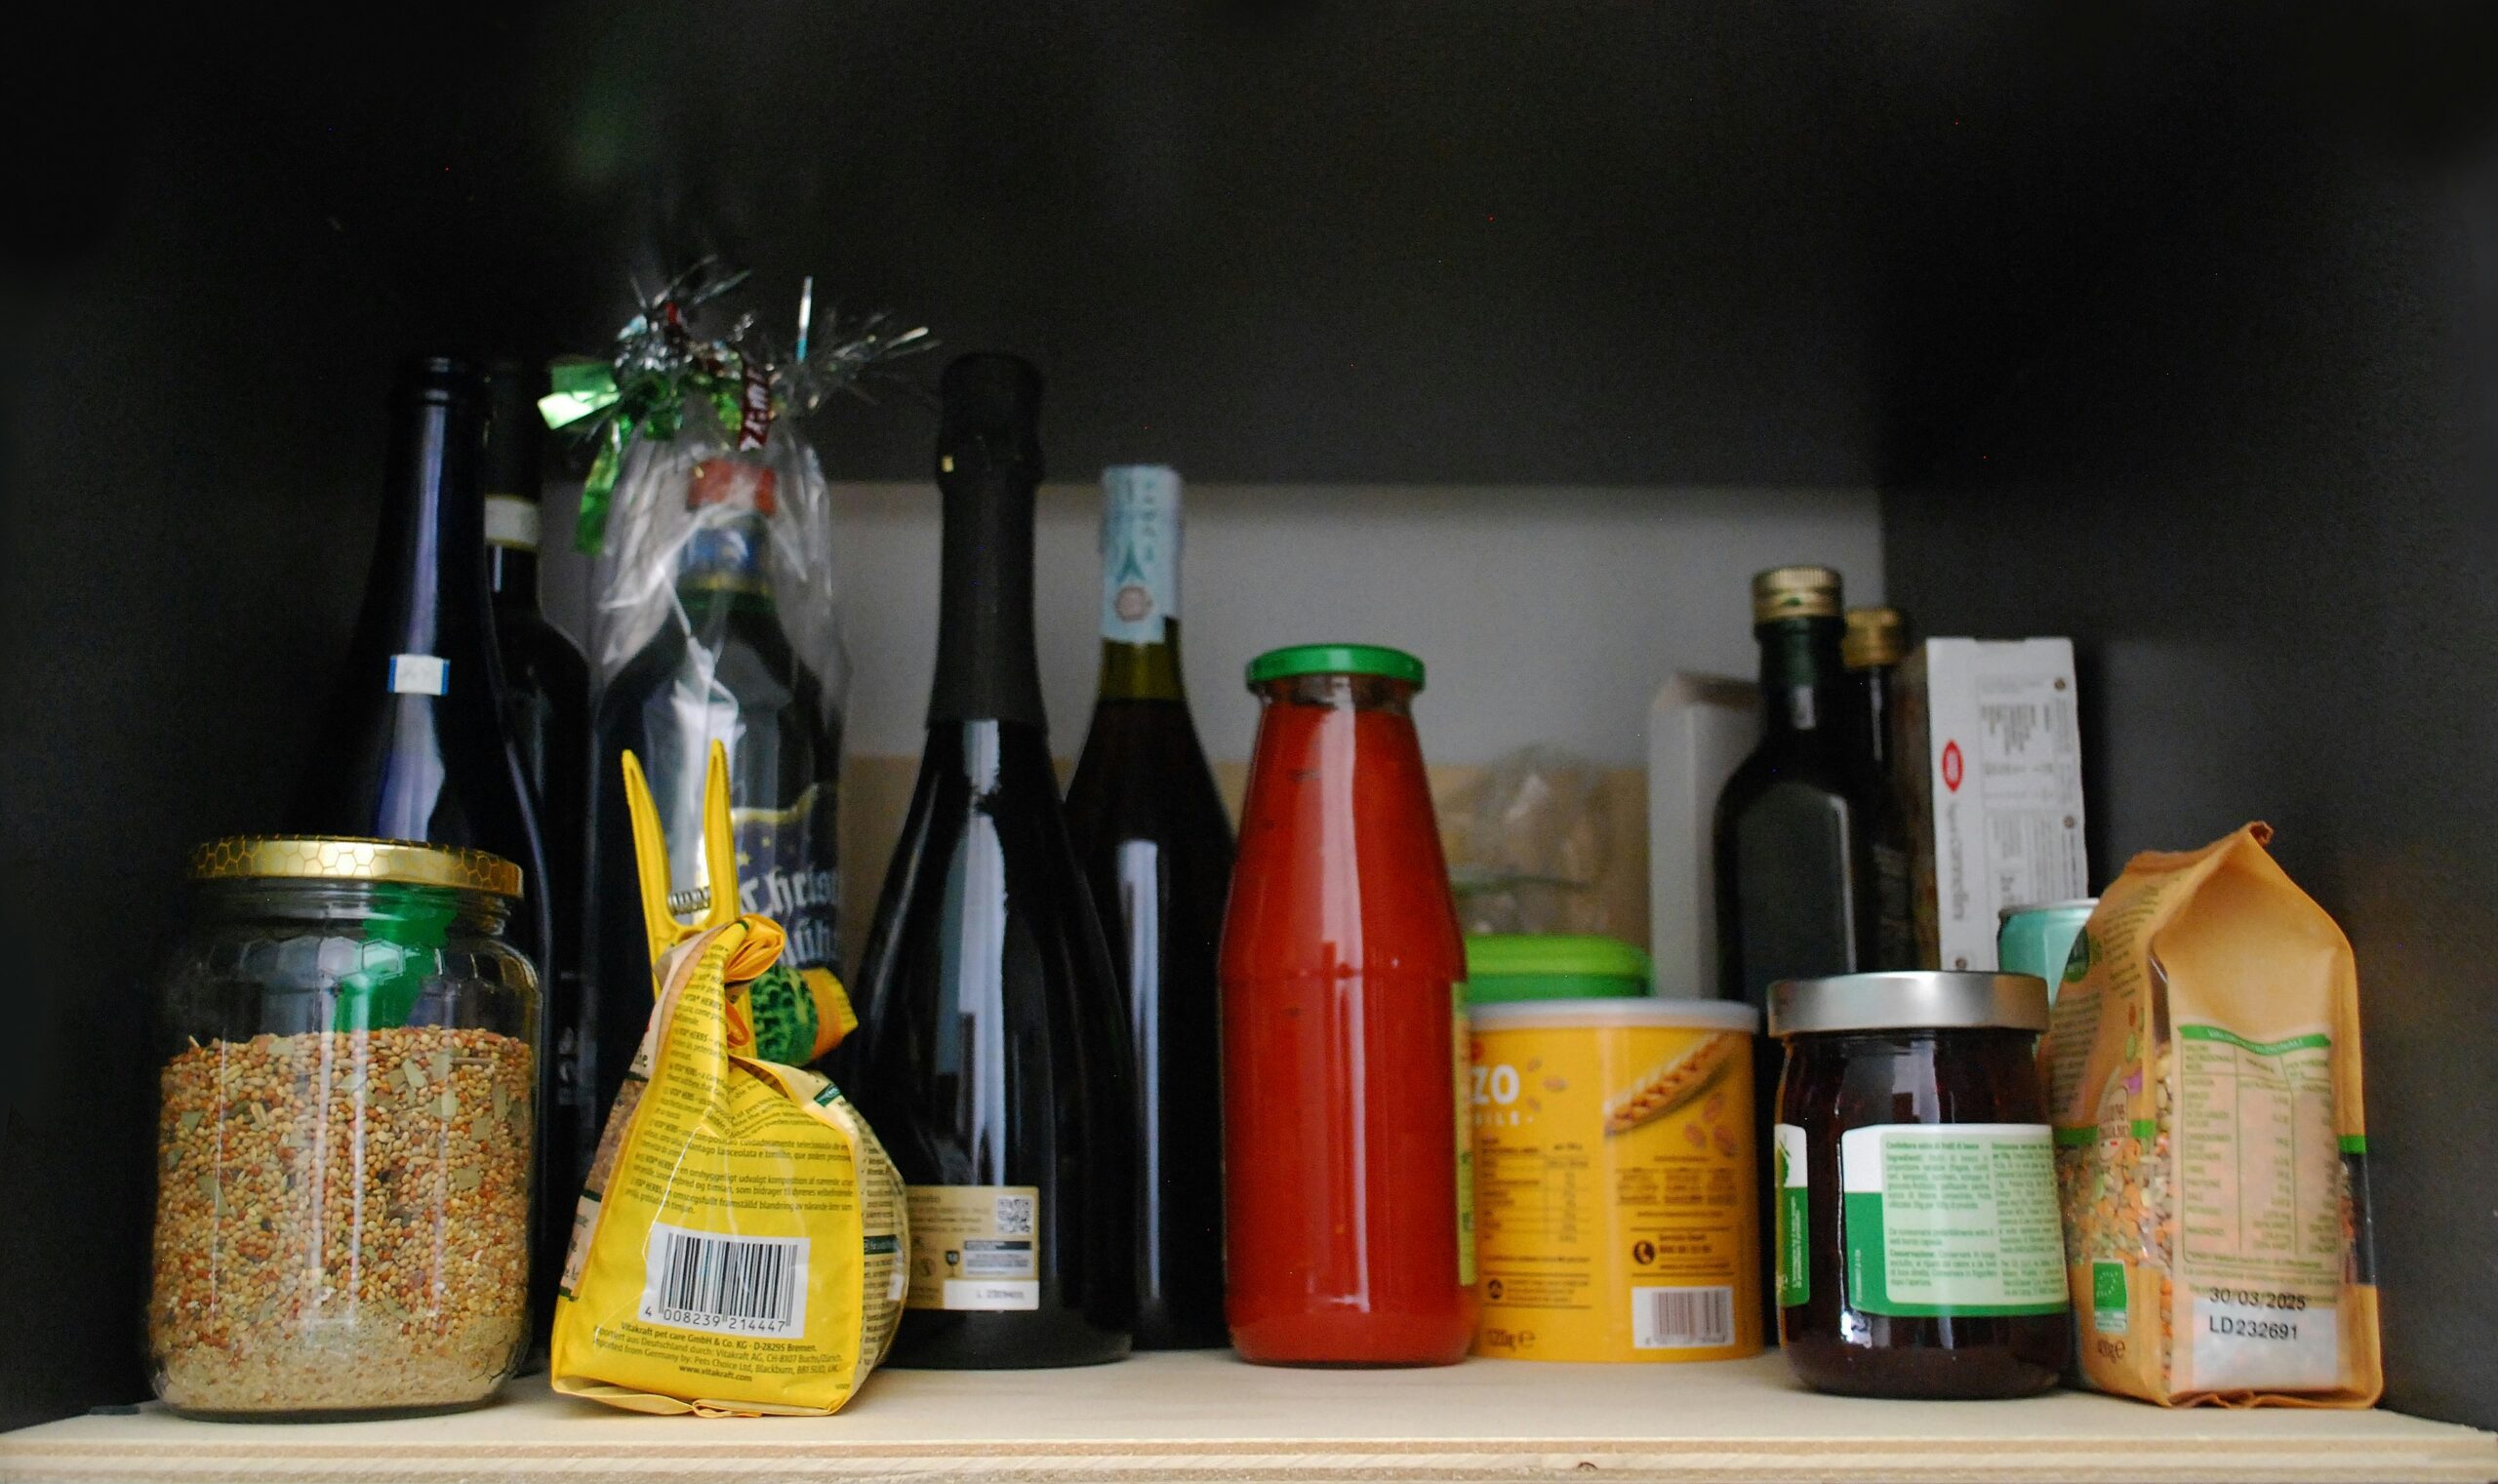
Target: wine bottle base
936, 1340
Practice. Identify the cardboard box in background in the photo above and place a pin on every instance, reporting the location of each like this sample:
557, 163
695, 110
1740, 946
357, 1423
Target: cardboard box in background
1990, 765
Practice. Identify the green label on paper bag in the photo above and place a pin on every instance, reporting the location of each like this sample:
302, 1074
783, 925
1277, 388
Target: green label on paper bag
2108, 1307
1956, 1218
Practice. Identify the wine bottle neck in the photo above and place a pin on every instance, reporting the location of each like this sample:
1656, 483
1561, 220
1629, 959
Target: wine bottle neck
986, 666
1803, 686
428, 592
1143, 671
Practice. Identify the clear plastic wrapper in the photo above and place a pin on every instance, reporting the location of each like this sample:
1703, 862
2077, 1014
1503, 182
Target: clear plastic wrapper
1529, 845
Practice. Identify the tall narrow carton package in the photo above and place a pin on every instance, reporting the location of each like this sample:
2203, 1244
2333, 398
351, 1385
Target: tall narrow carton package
1988, 762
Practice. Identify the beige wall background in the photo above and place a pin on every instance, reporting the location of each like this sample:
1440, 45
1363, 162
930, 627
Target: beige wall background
1547, 616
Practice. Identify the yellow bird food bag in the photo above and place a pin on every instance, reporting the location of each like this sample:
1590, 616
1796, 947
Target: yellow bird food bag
2204, 1075
738, 1246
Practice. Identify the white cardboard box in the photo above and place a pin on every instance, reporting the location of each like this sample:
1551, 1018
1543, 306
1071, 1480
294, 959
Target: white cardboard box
1989, 763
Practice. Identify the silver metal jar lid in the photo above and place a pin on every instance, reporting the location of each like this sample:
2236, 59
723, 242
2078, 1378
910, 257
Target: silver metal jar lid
1909, 999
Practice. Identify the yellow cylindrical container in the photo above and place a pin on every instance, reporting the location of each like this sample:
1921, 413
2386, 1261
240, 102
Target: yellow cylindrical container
1615, 1179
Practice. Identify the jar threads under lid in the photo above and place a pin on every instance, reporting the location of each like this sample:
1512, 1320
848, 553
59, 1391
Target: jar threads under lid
1909, 999
347, 857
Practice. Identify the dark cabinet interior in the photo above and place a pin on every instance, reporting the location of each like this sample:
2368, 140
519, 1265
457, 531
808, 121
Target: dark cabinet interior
2168, 328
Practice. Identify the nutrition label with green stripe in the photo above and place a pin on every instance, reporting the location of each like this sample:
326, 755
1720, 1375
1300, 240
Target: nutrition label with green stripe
2259, 1167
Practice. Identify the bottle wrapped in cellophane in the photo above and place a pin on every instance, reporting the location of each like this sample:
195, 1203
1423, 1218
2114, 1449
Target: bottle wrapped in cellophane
715, 618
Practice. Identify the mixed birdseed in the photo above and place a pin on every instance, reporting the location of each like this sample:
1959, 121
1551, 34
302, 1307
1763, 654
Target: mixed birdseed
341, 1219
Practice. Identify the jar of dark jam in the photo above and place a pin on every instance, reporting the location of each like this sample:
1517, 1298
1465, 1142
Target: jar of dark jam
1919, 1250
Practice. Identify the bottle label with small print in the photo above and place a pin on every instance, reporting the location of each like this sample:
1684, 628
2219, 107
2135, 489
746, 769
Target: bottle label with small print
975, 1246
785, 873
1139, 552
1950, 1219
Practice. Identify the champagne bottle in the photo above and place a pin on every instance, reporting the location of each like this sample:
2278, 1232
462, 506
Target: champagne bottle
413, 747
546, 712
1157, 846
992, 1056
722, 667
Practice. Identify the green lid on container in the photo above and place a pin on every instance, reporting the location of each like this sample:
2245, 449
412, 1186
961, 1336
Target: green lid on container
1336, 659
1502, 967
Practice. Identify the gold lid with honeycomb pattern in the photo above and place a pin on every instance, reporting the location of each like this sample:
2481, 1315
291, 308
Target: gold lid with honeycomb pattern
1795, 592
343, 857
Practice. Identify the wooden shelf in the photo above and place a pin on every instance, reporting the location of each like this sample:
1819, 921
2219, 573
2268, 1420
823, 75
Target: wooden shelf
1209, 1417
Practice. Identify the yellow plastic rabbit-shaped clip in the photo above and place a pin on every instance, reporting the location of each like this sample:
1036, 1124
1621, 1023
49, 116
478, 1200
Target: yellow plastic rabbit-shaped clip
802, 1013
649, 854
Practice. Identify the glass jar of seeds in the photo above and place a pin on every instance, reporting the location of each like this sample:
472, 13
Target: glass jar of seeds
345, 1135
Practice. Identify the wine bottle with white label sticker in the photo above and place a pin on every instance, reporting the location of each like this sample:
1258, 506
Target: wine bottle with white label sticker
415, 747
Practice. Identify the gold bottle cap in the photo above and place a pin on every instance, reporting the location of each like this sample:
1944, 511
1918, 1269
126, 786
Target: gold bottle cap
1874, 636
1795, 592
340, 857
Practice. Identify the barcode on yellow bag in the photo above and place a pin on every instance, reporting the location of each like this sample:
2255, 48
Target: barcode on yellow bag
1681, 1318
725, 1285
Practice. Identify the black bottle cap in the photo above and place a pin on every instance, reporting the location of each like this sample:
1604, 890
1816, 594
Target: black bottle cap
992, 412
512, 389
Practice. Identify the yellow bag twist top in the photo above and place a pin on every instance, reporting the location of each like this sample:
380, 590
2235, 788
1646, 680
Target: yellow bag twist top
738, 1245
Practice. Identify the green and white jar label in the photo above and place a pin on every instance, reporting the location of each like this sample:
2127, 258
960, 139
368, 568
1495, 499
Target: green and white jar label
1951, 1218
1795, 1216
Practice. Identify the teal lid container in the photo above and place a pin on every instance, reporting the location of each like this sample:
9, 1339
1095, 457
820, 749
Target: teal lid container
1505, 967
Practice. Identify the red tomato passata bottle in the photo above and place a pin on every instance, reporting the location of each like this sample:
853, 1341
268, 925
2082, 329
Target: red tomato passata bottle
1348, 1233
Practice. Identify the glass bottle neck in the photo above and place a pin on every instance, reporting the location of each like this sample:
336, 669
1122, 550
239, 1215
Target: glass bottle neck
1143, 671
1804, 686
987, 668
427, 594
723, 562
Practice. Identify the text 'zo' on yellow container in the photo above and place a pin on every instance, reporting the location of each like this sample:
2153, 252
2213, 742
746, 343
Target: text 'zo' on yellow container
1615, 1182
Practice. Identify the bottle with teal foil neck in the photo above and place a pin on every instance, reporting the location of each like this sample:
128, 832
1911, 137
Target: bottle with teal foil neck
1156, 848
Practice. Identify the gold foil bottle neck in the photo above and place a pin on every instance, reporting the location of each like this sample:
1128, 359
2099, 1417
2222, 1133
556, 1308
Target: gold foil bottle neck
343, 857
1874, 636
1795, 592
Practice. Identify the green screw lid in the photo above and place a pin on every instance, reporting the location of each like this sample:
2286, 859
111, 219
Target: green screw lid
1502, 967
1336, 659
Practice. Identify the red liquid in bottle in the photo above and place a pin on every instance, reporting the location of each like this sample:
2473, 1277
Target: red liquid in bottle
1342, 1127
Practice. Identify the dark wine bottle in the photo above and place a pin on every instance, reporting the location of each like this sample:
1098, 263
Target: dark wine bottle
546, 712
413, 747
1156, 847
1794, 831
1876, 640
992, 1056
725, 672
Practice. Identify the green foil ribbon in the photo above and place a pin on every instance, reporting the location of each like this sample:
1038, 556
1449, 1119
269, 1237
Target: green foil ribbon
642, 389
651, 405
